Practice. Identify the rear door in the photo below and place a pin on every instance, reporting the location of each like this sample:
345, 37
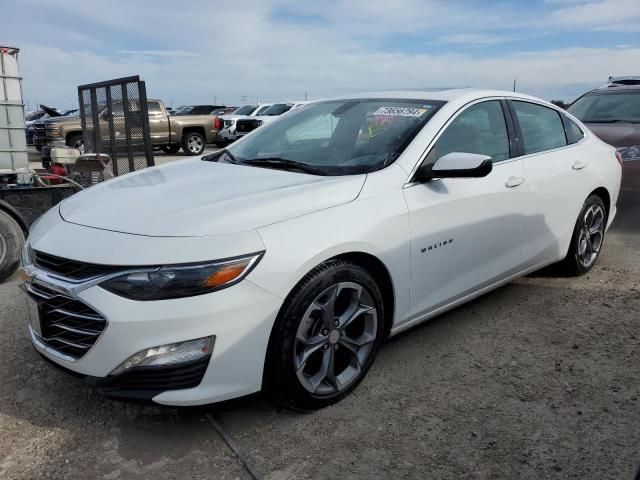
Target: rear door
158, 124
552, 169
466, 233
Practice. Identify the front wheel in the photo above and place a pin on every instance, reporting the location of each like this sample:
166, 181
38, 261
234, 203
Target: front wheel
193, 143
75, 141
11, 241
588, 237
171, 149
326, 336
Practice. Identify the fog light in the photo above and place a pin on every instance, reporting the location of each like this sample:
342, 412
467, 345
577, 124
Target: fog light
169, 354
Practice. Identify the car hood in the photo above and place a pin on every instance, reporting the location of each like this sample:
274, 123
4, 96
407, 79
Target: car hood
233, 117
200, 198
617, 134
57, 120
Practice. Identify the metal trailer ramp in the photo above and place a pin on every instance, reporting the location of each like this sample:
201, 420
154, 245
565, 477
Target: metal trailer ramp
115, 122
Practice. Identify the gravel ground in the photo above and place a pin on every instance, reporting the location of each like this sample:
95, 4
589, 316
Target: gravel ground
539, 379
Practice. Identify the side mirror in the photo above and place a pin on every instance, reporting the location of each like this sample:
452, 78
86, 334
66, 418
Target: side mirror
456, 165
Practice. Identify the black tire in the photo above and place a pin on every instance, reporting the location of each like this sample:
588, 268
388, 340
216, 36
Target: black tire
575, 262
75, 140
281, 382
190, 141
11, 242
171, 149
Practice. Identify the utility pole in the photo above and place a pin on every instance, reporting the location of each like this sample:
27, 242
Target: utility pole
514, 84
306, 96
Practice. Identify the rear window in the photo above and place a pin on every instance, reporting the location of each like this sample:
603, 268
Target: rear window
541, 127
153, 108
608, 107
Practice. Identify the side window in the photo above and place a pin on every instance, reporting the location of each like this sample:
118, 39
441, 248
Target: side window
541, 127
481, 129
573, 131
154, 108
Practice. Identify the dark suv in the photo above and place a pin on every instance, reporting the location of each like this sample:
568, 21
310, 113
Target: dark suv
612, 112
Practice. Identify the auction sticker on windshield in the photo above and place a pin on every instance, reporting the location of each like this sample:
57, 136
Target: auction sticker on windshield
402, 111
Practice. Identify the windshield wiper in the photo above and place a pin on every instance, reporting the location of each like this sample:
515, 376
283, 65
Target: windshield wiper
283, 164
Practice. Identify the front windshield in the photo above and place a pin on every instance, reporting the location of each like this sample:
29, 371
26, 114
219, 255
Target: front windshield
245, 110
338, 137
277, 109
608, 107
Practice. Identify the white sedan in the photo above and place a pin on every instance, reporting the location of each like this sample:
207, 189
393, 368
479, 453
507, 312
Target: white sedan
283, 262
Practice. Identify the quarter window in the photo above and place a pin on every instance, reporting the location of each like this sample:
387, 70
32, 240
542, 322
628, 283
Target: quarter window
480, 129
541, 127
573, 131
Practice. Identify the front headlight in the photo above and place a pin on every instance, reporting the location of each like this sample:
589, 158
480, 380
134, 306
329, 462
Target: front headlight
167, 355
185, 280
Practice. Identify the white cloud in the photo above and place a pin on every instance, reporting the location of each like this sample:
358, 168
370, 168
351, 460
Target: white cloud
473, 39
600, 14
251, 48
160, 53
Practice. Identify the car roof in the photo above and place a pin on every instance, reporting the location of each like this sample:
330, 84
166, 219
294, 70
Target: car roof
605, 89
446, 95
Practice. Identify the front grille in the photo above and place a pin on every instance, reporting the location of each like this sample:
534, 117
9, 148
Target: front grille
71, 269
67, 325
39, 130
245, 126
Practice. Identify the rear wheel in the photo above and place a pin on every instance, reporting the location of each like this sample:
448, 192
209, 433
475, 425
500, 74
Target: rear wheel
11, 241
588, 237
193, 143
326, 336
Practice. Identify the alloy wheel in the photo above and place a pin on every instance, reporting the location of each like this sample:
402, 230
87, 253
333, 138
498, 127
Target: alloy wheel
335, 338
591, 235
194, 144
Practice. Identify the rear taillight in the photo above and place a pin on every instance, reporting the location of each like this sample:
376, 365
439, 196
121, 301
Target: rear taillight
619, 157
217, 123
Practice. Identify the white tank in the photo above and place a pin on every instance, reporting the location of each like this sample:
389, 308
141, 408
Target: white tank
13, 145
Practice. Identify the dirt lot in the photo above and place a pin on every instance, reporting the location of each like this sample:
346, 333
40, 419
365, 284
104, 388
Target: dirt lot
539, 379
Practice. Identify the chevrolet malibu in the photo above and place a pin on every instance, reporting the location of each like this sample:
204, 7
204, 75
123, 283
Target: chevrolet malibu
284, 261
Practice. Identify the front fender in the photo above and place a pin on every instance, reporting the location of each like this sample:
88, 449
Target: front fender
378, 226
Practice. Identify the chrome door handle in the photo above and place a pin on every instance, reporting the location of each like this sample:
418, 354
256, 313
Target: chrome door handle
579, 164
514, 182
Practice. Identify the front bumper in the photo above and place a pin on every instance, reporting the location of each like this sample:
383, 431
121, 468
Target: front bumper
228, 134
240, 317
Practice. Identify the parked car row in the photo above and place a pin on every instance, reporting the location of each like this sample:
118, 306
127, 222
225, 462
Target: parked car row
189, 127
240, 123
168, 132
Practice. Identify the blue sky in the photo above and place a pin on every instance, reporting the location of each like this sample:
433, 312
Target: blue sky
201, 50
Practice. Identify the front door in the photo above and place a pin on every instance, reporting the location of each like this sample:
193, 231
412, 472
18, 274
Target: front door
466, 233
